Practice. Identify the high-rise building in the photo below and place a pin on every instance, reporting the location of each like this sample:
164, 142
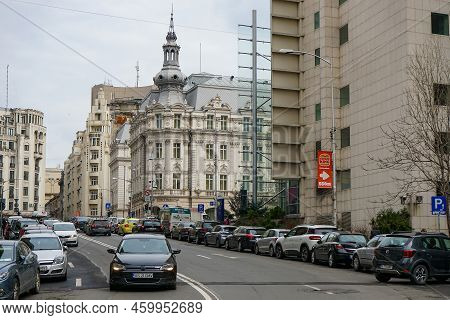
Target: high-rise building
22, 160
369, 44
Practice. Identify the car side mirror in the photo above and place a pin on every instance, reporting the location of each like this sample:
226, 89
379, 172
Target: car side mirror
176, 251
112, 251
319, 242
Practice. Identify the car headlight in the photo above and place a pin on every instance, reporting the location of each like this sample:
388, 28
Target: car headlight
168, 267
74, 236
117, 266
4, 275
58, 260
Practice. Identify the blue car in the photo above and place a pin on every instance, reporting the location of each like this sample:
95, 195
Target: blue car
19, 270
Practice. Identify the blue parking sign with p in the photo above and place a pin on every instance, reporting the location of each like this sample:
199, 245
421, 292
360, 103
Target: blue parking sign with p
438, 205
201, 207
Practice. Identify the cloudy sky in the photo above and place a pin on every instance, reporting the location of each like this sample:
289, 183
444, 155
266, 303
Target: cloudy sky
46, 75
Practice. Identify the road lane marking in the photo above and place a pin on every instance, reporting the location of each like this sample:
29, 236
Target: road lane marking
223, 256
199, 255
327, 292
71, 265
314, 288
78, 282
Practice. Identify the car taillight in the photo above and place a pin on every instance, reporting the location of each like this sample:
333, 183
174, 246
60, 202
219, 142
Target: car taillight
408, 253
126, 226
315, 237
94, 226
338, 246
249, 236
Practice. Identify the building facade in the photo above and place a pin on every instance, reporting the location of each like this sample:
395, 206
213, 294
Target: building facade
52, 182
22, 160
369, 44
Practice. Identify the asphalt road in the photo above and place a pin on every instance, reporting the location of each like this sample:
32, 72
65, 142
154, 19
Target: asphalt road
212, 273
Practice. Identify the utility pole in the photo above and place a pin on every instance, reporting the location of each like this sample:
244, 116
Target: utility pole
254, 109
137, 73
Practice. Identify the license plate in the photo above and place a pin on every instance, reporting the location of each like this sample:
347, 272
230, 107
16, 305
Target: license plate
386, 267
143, 275
43, 268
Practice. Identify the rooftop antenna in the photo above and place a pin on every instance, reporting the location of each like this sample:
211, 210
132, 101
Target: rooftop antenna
137, 74
200, 57
7, 85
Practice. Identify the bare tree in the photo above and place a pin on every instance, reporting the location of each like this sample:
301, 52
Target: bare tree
419, 141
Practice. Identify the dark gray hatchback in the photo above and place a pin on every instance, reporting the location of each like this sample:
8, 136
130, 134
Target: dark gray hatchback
417, 256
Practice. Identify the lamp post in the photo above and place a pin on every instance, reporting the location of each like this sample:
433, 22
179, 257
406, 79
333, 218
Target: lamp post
333, 122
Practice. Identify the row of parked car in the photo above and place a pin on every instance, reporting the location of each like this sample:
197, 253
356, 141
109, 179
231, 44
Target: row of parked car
417, 256
106, 226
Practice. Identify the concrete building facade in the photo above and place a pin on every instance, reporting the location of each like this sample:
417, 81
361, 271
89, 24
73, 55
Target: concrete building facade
369, 44
52, 182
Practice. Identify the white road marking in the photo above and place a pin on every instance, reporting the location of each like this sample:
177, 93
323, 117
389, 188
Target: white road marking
327, 292
78, 282
314, 288
199, 255
223, 256
70, 265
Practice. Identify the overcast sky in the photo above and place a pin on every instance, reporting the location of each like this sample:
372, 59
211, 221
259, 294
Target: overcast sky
47, 76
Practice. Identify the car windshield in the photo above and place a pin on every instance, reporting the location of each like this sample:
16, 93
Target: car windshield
133, 221
25, 223
6, 253
352, 238
229, 229
394, 241
323, 231
144, 246
149, 223
100, 222
258, 232
64, 227
42, 243
209, 225
50, 222
282, 233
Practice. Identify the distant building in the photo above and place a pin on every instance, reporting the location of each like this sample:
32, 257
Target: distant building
54, 206
52, 181
22, 160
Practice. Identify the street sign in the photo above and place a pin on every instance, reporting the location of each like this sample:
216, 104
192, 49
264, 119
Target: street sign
201, 207
324, 170
165, 205
438, 205
220, 209
212, 203
108, 206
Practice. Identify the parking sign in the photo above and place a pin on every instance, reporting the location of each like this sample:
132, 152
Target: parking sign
438, 205
201, 207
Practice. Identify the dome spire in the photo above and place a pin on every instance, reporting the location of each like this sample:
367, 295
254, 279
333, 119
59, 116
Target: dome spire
171, 35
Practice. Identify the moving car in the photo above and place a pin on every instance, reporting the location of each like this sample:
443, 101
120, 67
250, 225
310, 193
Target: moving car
300, 241
244, 238
19, 270
127, 226
28, 229
151, 225
417, 256
218, 235
266, 244
143, 260
115, 226
51, 254
197, 233
49, 222
363, 257
67, 233
181, 230
98, 226
171, 216
337, 248
81, 222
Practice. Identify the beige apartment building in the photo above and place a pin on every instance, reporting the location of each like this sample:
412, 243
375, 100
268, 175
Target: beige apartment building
52, 182
22, 160
369, 44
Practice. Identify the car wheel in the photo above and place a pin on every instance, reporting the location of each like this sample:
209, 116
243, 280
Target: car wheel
240, 249
227, 245
217, 243
257, 250
279, 252
420, 274
189, 240
205, 241
314, 258
271, 251
382, 277
304, 254
37, 284
16, 289
331, 260
356, 263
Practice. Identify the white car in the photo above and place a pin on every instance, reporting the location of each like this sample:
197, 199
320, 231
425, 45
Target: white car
67, 233
300, 241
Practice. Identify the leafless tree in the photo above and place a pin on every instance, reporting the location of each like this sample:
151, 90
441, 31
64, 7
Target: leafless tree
419, 141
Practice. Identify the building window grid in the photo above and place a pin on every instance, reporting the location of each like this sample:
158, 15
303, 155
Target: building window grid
223, 152
245, 153
176, 181
177, 121
343, 34
318, 112
317, 59
439, 24
345, 137
316, 20
209, 151
246, 124
158, 120
210, 122
177, 150
159, 150
223, 123
344, 94
209, 182
223, 182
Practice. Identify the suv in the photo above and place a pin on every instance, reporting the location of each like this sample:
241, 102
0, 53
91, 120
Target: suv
300, 241
98, 226
417, 256
201, 228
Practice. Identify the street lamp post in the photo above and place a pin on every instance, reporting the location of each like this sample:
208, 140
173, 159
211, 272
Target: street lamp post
333, 122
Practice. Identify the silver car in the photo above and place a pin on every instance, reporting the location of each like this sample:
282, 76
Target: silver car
67, 233
52, 255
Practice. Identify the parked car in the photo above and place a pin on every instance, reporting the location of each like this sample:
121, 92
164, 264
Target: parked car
197, 233
115, 226
218, 235
299, 241
127, 226
143, 260
81, 222
244, 238
113, 223
181, 230
363, 257
337, 248
28, 229
417, 256
34, 231
19, 270
52, 255
67, 233
49, 222
266, 244
98, 226
18, 227
151, 225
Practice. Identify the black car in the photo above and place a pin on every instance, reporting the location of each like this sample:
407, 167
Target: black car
80, 223
150, 225
98, 226
143, 260
197, 234
244, 238
363, 257
337, 248
218, 235
181, 230
266, 244
417, 256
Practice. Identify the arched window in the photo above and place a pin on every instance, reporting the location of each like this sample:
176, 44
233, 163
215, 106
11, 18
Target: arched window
172, 55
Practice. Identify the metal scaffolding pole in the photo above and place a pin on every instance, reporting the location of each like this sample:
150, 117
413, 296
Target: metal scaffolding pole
254, 109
